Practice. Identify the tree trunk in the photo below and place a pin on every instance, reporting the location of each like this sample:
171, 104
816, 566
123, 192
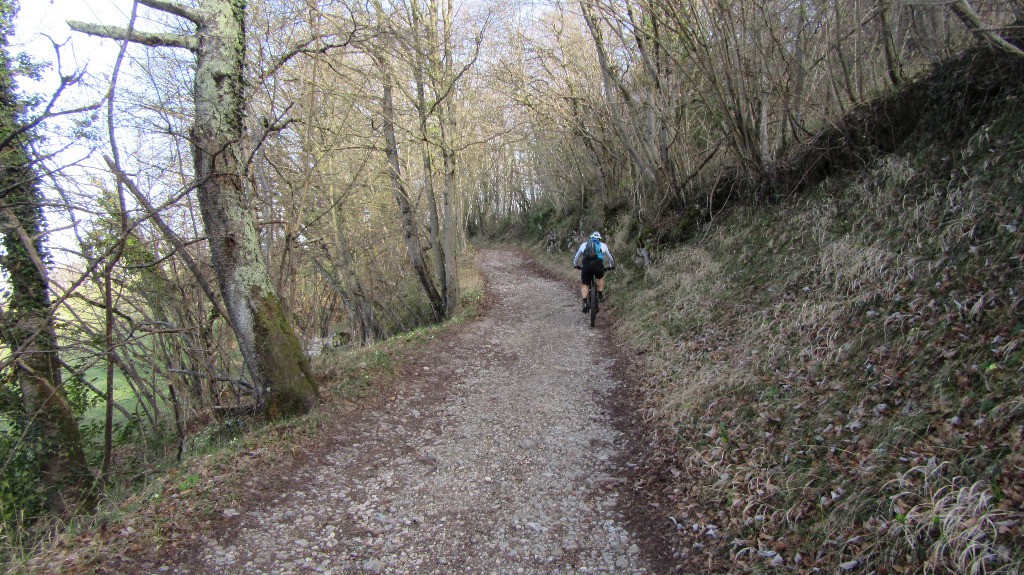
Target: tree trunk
269, 346
451, 223
965, 12
346, 276
658, 99
27, 328
406, 212
800, 75
446, 115
892, 64
420, 64
428, 173
51, 428
611, 87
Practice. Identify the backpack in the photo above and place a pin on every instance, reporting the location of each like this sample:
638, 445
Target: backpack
593, 253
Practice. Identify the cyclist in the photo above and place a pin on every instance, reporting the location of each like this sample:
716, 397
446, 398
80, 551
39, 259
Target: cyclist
592, 259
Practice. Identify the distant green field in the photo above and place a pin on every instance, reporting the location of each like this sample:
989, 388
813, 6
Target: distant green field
123, 395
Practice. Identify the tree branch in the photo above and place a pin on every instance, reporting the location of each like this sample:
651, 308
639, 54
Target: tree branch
173, 8
144, 38
80, 377
173, 238
968, 16
306, 46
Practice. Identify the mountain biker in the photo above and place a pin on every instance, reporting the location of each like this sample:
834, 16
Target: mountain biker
592, 259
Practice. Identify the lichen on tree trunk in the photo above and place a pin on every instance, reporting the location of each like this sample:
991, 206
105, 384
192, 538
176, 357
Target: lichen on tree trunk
267, 341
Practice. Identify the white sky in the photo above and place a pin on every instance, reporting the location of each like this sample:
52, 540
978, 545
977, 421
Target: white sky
40, 18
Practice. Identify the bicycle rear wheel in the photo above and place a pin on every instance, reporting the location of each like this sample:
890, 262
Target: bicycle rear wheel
594, 302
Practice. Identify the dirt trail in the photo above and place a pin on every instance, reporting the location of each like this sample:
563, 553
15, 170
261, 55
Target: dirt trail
497, 454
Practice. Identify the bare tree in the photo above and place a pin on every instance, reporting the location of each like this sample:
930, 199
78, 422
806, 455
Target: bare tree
268, 344
417, 257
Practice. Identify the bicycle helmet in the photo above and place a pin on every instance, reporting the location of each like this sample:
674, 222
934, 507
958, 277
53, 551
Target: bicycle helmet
595, 236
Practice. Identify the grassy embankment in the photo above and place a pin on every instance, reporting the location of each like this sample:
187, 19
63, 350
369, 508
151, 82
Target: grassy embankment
836, 380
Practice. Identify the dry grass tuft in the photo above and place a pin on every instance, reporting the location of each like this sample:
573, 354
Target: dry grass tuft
864, 271
953, 523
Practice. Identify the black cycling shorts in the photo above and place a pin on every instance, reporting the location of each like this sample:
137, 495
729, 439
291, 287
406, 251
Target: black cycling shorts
591, 271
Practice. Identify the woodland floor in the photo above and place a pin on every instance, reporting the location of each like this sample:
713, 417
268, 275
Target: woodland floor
503, 446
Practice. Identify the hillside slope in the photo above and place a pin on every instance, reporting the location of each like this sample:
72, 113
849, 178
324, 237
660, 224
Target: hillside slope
836, 380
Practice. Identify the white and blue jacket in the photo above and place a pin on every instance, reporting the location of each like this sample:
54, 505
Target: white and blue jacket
609, 261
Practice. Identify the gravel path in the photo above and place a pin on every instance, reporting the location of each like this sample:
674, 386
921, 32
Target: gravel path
495, 456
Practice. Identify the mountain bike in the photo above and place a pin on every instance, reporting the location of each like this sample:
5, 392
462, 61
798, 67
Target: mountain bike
594, 299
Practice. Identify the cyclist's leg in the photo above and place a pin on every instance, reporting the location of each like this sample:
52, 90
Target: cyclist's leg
585, 276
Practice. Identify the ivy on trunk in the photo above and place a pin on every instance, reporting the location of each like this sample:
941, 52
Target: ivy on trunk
48, 425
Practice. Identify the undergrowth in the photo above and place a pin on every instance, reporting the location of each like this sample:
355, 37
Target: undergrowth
837, 380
